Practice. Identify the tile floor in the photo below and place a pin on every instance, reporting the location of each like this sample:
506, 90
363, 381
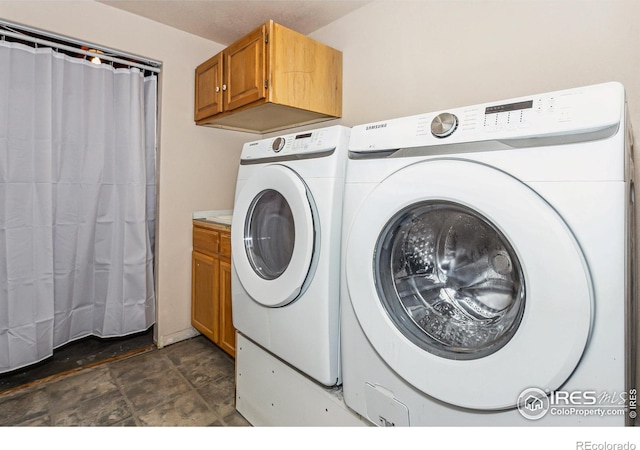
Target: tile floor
80, 354
190, 383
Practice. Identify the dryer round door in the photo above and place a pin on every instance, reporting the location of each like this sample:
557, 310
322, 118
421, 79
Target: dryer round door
468, 284
273, 237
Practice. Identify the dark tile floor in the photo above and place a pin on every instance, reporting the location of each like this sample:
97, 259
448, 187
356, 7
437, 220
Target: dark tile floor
190, 383
77, 355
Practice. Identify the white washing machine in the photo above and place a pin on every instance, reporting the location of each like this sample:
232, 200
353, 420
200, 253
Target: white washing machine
487, 264
285, 236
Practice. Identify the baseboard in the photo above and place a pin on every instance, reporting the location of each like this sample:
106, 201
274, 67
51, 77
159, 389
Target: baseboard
182, 335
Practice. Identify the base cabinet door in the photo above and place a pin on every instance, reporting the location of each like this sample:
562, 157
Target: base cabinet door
205, 314
211, 312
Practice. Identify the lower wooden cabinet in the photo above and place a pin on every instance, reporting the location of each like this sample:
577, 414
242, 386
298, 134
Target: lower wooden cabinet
211, 284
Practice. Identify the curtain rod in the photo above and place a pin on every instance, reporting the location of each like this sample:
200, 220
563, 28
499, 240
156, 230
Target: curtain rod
55, 45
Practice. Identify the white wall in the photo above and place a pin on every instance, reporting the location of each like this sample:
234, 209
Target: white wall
197, 165
410, 57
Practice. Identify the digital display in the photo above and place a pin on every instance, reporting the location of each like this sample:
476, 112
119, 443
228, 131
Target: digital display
509, 107
303, 136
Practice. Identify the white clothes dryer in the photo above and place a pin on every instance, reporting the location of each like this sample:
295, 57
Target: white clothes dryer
487, 264
285, 238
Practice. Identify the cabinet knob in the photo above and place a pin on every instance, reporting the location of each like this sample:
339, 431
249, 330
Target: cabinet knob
224, 87
217, 88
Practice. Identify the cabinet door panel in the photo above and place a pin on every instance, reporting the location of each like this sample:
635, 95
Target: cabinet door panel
245, 70
227, 331
205, 297
208, 96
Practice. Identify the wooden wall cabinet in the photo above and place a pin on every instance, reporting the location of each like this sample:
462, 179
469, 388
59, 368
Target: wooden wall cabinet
211, 284
271, 79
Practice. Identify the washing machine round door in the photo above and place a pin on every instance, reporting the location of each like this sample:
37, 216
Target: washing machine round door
468, 284
273, 239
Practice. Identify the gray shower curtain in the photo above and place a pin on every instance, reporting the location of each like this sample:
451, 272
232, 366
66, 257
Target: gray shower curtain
77, 201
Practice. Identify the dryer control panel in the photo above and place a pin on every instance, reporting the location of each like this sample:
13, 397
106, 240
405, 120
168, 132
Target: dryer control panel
306, 144
589, 110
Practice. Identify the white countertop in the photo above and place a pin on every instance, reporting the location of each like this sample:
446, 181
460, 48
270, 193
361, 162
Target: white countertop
217, 216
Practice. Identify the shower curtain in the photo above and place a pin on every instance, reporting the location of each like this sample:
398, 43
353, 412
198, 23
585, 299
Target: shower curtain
77, 201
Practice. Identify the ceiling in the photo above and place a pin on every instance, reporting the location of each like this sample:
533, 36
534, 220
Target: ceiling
225, 21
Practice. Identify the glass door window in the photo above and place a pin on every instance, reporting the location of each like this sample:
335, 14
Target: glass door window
269, 234
449, 280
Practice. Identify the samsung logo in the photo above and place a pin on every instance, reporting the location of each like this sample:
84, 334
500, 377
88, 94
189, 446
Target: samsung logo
374, 127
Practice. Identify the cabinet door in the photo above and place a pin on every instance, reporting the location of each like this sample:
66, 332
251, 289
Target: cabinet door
205, 316
245, 70
227, 331
208, 100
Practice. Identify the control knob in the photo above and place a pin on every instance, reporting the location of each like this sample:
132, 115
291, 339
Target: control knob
278, 144
443, 125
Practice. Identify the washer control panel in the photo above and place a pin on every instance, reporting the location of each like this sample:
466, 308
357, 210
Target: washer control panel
507, 115
591, 109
